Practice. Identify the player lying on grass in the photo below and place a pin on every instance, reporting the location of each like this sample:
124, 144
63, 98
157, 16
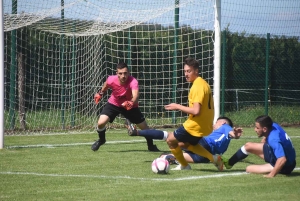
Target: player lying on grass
123, 100
216, 143
275, 148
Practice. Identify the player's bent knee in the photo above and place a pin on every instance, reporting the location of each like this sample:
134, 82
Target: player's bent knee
253, 147
100, 124
248, 146
172, 144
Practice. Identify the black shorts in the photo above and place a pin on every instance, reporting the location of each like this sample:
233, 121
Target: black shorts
271, 158
200, 159
183, 136
134, 115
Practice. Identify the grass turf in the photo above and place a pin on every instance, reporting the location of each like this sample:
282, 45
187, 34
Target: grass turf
63, 167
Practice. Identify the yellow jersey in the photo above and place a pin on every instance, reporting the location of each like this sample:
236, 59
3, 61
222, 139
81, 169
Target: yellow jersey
202, 124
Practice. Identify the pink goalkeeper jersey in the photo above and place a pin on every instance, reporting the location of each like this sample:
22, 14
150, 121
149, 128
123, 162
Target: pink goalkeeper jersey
121, 93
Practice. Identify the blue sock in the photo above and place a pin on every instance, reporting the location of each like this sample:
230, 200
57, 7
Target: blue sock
151, 134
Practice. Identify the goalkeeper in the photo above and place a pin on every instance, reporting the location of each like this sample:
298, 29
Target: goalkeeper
123, 100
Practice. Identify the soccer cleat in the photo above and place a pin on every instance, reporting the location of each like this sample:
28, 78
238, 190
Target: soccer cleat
179, 167
97, 144
218, 162
153, 148
171, 159
226, 162
131, 129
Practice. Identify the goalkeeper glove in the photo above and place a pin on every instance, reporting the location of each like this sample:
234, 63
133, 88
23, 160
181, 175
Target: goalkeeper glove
98, 97
127, 105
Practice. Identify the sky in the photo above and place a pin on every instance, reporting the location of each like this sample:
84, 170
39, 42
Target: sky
279, 17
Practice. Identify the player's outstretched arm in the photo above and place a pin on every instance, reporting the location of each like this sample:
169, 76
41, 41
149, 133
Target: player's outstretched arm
135, 96
98, 95
134, 100
103, 88
195, 110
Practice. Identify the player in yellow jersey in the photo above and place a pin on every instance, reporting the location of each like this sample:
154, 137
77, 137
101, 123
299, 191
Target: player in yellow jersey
199, 122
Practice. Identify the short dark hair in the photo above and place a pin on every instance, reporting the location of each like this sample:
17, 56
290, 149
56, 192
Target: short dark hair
192, 62
122, 65
264, 121
229, 122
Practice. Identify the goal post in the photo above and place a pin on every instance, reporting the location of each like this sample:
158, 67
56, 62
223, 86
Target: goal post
217, 59
64, 51
1, 78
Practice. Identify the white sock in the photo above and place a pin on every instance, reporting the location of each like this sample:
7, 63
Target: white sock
244, 150
165, 135
101, 129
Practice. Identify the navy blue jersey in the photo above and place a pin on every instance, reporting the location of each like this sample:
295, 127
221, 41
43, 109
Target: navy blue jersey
219, 139
281, 144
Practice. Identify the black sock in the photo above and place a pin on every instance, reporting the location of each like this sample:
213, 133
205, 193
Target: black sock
239, 155
149, 142
101, 134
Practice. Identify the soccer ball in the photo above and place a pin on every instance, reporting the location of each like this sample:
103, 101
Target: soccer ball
160, 166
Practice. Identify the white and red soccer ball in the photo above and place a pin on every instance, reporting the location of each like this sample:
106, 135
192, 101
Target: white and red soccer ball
160, 166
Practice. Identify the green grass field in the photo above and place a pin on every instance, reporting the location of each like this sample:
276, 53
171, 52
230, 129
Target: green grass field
63, 167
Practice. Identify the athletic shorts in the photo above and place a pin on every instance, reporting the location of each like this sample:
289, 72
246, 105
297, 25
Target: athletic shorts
199, 159
271, 158
134, 115
183, 136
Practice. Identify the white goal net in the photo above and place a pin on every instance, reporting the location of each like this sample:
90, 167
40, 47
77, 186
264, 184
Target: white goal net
57, 54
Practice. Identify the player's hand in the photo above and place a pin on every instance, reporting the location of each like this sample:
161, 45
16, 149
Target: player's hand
97, 97
171, 106
237, 132
268, 176
127, 105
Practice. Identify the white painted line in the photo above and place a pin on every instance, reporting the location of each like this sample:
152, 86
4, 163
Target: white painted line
90, 143
129, 177
71, 144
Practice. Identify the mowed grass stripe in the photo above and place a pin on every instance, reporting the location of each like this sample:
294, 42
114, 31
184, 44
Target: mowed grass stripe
218, 175
90, 143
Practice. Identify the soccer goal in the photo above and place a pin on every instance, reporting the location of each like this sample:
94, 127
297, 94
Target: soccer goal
57, 54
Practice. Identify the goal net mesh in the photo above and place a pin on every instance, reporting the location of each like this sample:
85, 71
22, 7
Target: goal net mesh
59, 53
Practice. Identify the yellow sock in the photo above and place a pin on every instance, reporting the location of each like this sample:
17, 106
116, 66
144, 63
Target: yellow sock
198, 149
179, 156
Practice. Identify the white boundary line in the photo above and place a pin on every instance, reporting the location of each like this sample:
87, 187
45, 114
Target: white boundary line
129, 177
71, 144
90, 143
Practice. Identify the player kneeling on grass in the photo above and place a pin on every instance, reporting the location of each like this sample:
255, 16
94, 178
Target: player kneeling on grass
216, 143
123, 100
275, 148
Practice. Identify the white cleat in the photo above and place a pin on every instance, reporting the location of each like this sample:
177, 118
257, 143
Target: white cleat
179, 167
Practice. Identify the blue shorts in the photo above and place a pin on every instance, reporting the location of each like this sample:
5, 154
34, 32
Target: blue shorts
200, 159
183, 136
271, 158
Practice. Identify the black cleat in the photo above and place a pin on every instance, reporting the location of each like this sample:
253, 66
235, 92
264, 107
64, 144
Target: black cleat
171, 159
153, 148
97, 144
131, 129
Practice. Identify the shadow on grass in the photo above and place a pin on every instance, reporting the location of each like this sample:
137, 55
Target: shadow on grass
139, 150
294, 174
216, 171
